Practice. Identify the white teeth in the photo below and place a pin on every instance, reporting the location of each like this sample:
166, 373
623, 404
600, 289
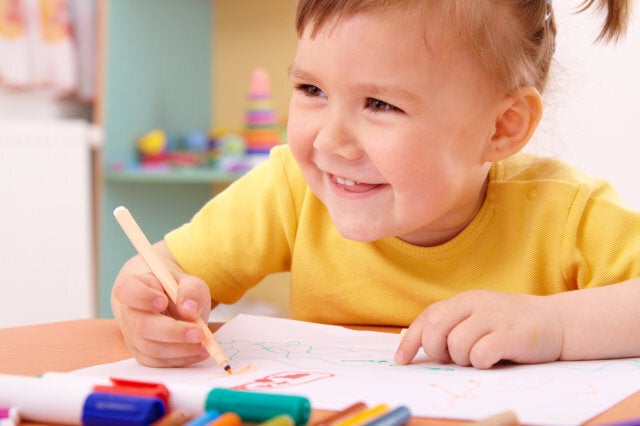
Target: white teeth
343, 181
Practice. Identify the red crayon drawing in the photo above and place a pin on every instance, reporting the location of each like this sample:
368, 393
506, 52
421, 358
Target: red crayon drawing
283, 379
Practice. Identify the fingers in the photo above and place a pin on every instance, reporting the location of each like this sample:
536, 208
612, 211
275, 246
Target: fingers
430, 331
463, 339
465, 329
489, 350
161, 341
142, 292
153, 328
194, 298
409, 345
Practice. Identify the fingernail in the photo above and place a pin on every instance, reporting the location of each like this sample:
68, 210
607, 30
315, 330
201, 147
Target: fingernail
399, 357
193, 336
190, 307
158, 303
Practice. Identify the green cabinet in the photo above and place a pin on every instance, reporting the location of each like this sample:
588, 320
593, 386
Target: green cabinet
157, 74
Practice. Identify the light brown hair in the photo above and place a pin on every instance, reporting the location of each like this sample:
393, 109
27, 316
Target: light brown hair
513, 39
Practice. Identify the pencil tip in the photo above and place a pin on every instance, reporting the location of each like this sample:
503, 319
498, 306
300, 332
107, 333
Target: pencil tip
228, 369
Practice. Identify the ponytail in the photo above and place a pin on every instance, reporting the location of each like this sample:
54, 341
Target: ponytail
616, 21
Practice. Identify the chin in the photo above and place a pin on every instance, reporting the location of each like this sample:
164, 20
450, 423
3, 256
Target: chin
357, 233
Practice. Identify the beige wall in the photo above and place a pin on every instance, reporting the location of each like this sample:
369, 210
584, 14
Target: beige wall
250, 34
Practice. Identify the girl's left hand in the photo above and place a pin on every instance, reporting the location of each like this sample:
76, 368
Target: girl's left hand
481, 328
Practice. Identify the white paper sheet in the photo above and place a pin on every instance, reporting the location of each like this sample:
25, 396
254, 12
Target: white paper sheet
334, 367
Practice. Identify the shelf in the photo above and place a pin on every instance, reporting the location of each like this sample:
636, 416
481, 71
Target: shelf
176, 175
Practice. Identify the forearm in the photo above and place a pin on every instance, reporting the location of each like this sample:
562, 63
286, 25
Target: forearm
600, 323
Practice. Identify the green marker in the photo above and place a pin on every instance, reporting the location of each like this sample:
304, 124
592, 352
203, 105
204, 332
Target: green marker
259, 407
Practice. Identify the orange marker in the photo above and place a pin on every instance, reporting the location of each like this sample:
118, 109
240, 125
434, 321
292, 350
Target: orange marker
348, 411
173, 418
226, 419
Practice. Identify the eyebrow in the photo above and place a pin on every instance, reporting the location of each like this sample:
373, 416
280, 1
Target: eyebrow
383, 91
372, 89
297, 72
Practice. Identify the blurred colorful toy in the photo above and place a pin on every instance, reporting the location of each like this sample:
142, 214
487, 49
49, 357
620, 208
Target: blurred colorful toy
230, 152
153, 143
194, 150
261, 124
153, 149
196, 141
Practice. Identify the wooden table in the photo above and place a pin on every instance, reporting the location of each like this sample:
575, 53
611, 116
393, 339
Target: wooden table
71, 345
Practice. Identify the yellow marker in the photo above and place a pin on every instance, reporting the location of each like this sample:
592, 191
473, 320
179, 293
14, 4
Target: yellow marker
365, 415
281, 420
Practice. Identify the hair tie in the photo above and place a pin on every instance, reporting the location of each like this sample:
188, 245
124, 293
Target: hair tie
547, 15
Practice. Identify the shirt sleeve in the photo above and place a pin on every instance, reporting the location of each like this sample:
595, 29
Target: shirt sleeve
603, 244
244, 233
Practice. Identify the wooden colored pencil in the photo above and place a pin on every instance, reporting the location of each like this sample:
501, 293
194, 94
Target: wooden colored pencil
339, 415
508, 418
160, 270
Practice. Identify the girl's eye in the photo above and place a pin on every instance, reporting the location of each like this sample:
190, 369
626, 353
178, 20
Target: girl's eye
379, 106
309, 90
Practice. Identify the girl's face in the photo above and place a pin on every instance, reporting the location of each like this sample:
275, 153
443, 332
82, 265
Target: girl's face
390, 123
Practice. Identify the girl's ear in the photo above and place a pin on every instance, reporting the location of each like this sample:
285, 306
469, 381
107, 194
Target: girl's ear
517, 119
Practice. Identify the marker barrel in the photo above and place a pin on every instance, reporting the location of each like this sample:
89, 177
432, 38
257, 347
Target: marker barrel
259, 407
44, 400
60, 398
396, 417
189, 399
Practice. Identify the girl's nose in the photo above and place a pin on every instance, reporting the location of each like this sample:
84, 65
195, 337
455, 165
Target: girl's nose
337, 137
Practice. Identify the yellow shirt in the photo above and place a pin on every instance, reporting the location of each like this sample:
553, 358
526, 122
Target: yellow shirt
543, 228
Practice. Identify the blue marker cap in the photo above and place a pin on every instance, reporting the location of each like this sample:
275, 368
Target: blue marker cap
259, 407
396, 417
107, 409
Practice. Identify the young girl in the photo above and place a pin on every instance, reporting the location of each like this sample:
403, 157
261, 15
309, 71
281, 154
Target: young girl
402, 199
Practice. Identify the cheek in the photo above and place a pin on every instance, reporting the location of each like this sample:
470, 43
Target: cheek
296, 133
300, 140
303, 123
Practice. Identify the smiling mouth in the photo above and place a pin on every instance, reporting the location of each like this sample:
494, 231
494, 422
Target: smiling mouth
347, 182
350, 185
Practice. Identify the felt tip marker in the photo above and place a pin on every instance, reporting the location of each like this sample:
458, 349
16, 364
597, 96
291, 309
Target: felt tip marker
226, 419
281, 420
169, 284
59, 398
204, 419
109, 408
364, 416
397, 417
256, 407
173, 418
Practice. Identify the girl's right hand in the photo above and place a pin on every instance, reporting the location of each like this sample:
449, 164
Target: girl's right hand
158, 332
